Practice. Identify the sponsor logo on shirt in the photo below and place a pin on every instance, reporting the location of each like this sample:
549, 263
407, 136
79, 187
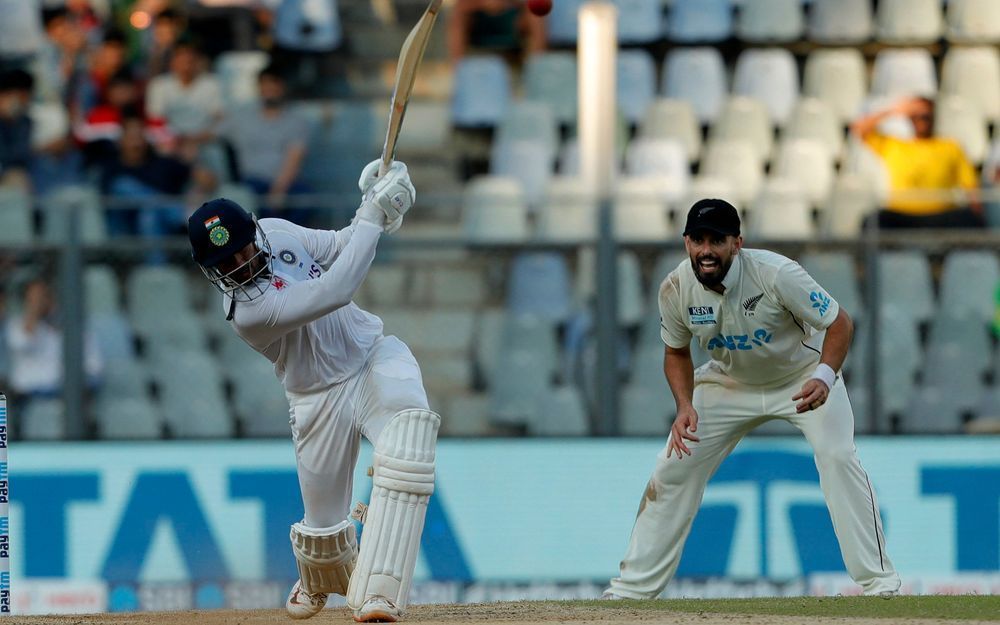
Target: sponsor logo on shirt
821, 301
743, 342
750, 305
701, 315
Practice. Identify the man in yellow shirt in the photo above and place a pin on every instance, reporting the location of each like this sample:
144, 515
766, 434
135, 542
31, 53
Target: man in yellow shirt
932, 184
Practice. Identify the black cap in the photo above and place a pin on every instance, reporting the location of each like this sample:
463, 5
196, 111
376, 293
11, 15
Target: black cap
714, 215
219, 229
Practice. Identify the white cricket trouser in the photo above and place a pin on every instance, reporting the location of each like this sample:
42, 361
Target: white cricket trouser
727, 410
327, 426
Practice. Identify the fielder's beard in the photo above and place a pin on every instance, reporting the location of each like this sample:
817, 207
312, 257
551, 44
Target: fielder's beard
713, 273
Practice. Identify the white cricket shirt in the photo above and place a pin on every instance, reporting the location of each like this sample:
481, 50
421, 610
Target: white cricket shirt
305, 322
766, 328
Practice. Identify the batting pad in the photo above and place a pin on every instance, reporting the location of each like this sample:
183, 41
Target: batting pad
325, 556
402, 483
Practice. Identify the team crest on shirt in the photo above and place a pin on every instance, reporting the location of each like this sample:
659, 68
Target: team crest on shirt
750, 305
701, 315
287, 257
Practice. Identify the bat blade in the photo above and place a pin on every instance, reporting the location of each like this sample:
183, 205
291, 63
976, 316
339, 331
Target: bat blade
410, 55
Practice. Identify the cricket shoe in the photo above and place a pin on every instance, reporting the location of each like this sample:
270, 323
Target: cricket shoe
610, 596
377, 609
301, 604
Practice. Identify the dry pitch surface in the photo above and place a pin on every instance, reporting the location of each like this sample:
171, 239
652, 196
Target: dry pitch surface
964, 610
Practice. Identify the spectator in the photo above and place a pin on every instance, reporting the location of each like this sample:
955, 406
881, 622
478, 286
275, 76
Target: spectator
166, 30
270, 145
20, 32
107, 61
496, 26
187, 100
36, 343
924, 172
142, 181
15, 127
59, 66
87, 19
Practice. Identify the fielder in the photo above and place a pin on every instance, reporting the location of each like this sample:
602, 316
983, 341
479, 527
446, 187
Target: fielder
777, 340
287, 293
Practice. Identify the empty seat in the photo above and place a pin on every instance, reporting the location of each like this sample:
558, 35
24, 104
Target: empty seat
529, 121
860, 161
810, 164
947, 367
958, 119
771, 76
15, 216
898, 358
514, 395
931, 410
707, 186
746, 118
237, 71
569, 212
42, 420
668, 118
814, 119
636, 76
962, 266
432, 331
908, 21
259, 399
663, 159
562, 22
762, 21
646, 412
154, 293
550, 77
85, 203
738, 162
905, 283
529, 162
904, 72
698, 76
128, 418
482, 91
699, 21
851, 199
837, 77
973, 21
456, 286
836, 272
539, 286
494, 210
428, 126
781, 211
113, 333
101, 290
468, 415
840, 21
630, 292
639, 21
965, 334
974, 74
191, 397
122, 379
560, 412
640, 211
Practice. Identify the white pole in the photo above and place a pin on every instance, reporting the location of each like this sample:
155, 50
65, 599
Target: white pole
4, 513
597, 49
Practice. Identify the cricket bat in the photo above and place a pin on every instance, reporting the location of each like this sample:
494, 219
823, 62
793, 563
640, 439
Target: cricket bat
406, 71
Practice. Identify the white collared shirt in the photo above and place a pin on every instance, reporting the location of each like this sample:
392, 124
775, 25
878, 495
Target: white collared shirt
766, 328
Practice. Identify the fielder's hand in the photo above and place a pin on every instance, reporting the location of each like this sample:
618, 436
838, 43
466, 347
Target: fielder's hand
813, 395
684, 426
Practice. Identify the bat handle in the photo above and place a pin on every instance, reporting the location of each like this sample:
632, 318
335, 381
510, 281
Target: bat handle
383, 166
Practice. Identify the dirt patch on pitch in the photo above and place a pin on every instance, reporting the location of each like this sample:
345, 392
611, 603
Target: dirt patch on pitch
510, 613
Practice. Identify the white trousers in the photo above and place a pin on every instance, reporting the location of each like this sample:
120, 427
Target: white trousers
327, 426
727, 411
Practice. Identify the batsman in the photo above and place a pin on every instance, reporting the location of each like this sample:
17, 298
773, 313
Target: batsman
777, 340
287, 292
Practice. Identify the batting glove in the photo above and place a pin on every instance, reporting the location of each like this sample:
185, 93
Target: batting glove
393, 193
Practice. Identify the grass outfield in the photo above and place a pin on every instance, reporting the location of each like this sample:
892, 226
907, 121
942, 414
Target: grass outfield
968, 607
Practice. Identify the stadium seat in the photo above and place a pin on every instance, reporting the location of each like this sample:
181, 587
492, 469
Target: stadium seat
738, 162
237, 71
708, 186
961, 265
965, 333
814, 119
469, 415
191, 397
245, 196
163, 337
663, 159
860, 161
90, 214
456, 286
539, 285
899, 358
908, 21
640, 212
560, 412
748, 119
974, 73
551, 77
668, 118
494, 210
514, 395
529, 162
851, 200
905, 284
837, 77
101, 290
696, 21
128, 418
432, 331
639, 21
836, 272
931, 410
112, 332
698, 76
961, 120
904, 72
810, 164
481, 92
646, 412
428, 127
259, 399
781, 211
386, 285
949, 368
122, 379
528, 121
568, 212
771, 76
562, 24
308, 26
636, 80
42, 420
631, 303
158, 289
15, 216
833, 22
973, 21
770, 21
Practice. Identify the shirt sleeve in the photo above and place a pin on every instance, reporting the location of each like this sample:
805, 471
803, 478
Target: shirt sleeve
673, 330
804, 297
323, 245
155, 98
303, 302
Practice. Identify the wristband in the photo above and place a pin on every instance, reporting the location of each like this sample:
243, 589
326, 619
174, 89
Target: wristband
826, 374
